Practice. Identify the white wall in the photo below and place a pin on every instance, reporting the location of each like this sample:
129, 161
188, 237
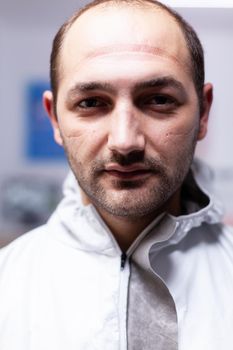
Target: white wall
215, 28
26, 32
200, 3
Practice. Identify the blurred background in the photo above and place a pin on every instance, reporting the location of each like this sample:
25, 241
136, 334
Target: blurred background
32, 167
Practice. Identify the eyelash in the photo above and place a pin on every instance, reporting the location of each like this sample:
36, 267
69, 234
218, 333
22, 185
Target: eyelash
93, 99
165, 98
97, 103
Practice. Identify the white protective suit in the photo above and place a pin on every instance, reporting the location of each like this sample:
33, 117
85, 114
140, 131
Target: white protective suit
65, 285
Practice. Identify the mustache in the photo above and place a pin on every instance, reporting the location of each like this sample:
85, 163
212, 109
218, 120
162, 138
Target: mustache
134, 157
127, 159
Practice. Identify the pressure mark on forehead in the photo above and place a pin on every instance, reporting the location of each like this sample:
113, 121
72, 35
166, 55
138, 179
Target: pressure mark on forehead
137, 49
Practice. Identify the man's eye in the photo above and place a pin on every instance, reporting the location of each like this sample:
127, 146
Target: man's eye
161, 100
91, 103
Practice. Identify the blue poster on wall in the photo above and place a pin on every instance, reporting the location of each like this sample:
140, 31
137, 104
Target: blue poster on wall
40, 142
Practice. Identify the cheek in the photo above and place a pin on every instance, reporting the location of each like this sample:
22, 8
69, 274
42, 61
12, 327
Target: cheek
181, 137
172, 139
83, 139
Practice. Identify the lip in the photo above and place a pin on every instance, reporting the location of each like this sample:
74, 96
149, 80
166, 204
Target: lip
126, 168
132, 172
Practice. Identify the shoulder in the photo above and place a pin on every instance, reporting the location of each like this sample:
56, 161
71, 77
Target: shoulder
27, 238
24, 248
207, 239
224, 234
212, 240
221, 233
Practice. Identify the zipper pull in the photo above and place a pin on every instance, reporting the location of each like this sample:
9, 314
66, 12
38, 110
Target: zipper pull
123, 260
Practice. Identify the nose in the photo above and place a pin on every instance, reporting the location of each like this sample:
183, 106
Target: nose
126, 134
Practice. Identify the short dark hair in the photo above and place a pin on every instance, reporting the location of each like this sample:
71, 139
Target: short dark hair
192, 41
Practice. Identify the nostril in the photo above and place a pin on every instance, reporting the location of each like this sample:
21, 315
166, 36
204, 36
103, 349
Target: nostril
129, 158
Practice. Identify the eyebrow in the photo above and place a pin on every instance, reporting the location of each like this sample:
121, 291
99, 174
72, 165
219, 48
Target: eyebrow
160, 82
89, 86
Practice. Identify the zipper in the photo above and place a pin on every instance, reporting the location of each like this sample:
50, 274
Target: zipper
123, 260
123, 300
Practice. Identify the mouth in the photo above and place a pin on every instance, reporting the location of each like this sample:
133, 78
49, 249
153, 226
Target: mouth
135, 172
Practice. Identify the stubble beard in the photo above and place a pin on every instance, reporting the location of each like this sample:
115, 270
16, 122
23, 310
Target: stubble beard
131, 199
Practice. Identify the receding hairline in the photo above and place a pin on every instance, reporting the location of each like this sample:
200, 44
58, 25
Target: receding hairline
105, 4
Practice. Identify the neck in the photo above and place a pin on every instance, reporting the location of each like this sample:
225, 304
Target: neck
127, 229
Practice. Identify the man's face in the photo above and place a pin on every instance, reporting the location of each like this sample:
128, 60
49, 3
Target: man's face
127, 109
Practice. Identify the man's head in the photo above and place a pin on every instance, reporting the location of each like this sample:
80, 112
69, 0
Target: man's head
126, 105
192, 41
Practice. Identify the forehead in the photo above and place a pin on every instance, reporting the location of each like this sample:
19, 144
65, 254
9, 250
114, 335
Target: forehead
117, 29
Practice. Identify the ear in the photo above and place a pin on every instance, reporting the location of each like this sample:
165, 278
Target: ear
204, 115
48, 103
